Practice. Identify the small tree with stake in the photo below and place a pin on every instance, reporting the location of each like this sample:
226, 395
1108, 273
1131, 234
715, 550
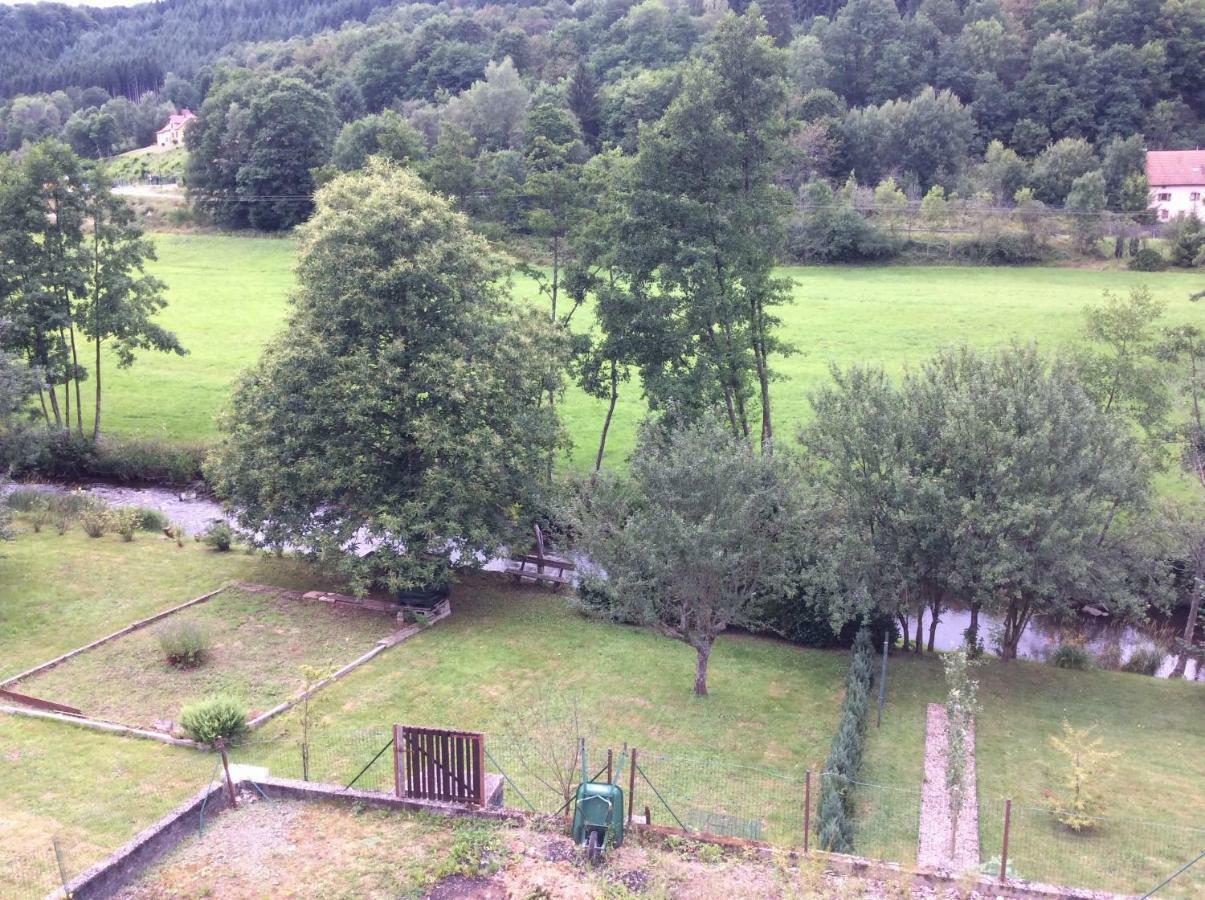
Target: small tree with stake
696, 540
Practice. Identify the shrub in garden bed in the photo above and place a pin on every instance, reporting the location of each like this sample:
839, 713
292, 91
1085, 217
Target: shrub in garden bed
214, 717
845, 757
151, 519
184, 644
94, 519
125, 521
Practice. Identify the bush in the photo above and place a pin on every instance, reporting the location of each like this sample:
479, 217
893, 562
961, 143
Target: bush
1144, 661
124, 520
1071, 656
26, 499
999, 250
845, 756
177, 533
219, 536
1147, 260
1185, 239
94, 519
594, 598
803, 619
214, 717
151, 519
184, 644
71, 457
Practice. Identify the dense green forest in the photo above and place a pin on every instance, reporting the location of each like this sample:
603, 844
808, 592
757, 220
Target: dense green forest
985, 108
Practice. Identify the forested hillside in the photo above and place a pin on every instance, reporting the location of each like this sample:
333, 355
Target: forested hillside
129, 50
979, 107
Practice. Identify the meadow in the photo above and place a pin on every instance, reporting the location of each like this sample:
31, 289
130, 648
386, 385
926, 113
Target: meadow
228, 296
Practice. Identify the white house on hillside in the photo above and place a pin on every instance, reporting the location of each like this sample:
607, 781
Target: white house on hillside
172, 134
1177, 182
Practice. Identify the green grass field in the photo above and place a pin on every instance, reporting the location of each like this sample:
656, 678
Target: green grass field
228, 296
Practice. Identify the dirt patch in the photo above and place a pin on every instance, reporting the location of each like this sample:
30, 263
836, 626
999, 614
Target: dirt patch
286, 849
461, 886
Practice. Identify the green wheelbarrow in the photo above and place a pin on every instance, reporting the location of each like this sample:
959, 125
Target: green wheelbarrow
597, 813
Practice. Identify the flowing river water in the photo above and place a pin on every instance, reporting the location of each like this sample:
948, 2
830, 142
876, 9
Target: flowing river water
1101, 636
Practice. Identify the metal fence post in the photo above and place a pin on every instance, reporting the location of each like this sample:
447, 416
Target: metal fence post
807, 808
610, 762
221, 742
58, 858
1008, 816
878, 722
632, 787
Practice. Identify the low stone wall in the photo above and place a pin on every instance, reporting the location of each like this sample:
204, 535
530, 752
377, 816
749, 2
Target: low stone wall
108, 877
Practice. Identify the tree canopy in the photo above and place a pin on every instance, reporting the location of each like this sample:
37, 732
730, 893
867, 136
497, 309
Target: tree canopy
400, 410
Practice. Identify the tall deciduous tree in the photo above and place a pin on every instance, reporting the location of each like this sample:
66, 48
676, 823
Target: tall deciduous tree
991, 478
699, 537
119, 299
704, 226
400, 409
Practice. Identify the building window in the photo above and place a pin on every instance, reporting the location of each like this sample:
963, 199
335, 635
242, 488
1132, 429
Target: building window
1163, 214
1194, 196
1165, 196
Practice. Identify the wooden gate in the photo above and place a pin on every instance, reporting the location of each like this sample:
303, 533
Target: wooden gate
433, 764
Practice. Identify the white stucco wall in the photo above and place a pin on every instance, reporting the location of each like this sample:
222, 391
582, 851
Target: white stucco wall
1181, 199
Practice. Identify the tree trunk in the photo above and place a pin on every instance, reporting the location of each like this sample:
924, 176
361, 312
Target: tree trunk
602, 441
96, 410
919, 647
903, 620
1015, 620
79, 406
1194, 613
935, 612
703, 652
973, 630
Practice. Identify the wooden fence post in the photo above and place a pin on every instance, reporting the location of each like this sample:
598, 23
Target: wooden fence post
610, 761
226, 766
807, 808
1008, 815
397, 761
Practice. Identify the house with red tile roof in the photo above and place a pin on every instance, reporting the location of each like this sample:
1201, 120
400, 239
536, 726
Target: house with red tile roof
1177, 183
172, 134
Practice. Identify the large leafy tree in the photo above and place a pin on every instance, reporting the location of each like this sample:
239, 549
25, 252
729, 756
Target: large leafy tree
698, 539
703, 227
400, 410
119, 299
992, 478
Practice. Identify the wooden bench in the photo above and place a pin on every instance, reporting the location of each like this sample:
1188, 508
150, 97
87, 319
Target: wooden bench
540, 566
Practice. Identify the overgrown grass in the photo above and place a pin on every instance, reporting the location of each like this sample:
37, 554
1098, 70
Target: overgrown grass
228, 294
257, 646
58, 592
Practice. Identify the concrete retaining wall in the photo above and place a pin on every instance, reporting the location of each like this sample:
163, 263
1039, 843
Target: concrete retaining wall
109, 876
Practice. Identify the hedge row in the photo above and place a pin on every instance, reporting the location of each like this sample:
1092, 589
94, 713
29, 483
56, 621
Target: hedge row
845, 757
69, 457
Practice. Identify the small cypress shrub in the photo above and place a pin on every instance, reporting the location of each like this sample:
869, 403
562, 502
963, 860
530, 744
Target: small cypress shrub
1147, 259
845, 756
214, 717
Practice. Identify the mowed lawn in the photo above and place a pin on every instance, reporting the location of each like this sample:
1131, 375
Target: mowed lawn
228, 296
510, 659
1153, 789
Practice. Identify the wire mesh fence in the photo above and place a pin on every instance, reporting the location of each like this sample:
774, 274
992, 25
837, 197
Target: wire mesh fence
697, 794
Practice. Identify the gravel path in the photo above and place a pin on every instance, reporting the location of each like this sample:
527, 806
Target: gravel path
933, 849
